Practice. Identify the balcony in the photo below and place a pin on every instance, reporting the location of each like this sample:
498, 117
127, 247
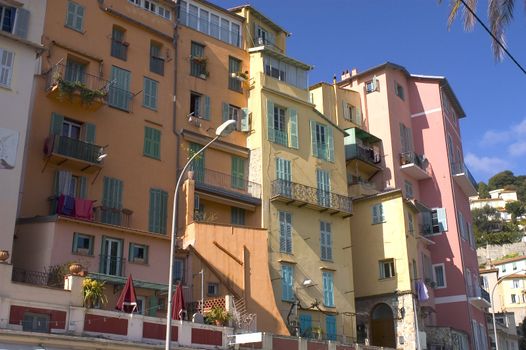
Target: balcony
414, 165
464, 179
112, 216
79, 155
360, 187
299, 195
119, 49
479, 297
53, 278
226, 185
88, 90
363, 151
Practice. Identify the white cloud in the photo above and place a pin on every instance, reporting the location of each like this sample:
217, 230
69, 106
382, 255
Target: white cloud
517, 148
487, 165
492, 137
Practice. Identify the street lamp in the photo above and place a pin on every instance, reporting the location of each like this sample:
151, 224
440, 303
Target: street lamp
493, 308
223, 130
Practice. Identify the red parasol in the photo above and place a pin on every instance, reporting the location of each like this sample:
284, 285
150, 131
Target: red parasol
127, 300
178, 303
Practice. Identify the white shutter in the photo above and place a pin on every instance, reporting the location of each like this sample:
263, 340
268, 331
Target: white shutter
6, 67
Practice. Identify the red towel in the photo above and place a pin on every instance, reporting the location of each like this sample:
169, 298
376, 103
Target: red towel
83, 208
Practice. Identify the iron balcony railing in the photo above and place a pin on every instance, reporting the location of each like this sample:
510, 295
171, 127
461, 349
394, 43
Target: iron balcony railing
112, 216
112, 265
461, 168
53, 279
73, 148
226, 182
71, 80
366, 154
485, 295
119, 49
413, 158
157, 65
311, 195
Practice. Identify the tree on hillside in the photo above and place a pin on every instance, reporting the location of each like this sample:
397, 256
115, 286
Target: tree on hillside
489, 228
501, 180
516, 209
522, 334
500, 14
483, 190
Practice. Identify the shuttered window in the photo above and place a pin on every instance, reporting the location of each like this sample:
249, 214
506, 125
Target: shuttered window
82, 244
152, 142
237, 216
75, 16
119, 94
325, 240
238, 173
7, 60
285, 232
378, 213
330, 327
284, 175
324, 188
198, 61
328, 288
322, 141
112, 201
150, 93
287, 279
234, 67
157, 212
306, 325
198, 164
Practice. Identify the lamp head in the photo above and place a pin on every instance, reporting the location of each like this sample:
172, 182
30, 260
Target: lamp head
226, 128
307, 283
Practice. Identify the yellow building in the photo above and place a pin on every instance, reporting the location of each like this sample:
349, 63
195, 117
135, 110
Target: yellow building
297, 156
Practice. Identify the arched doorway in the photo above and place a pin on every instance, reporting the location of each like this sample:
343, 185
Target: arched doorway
382, 326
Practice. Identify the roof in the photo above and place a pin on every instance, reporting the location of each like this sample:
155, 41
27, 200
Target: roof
261, 16
281, 57
488, 270
222, 9
505, 261
396, 191
444, 84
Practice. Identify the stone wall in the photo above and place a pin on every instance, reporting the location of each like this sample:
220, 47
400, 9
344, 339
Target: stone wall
495, 252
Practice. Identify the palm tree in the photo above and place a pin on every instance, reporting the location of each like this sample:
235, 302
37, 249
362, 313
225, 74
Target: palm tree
500, 14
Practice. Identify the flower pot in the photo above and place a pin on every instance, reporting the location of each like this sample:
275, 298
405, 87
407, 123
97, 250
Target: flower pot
219, 323
4, 255
75, 269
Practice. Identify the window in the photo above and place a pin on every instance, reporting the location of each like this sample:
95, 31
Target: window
156, 59
152, 142
75, 16
203, 21
287, 279
214, 26
235, 34
387, 268
153, 7
514, 299
372, 85
406, 139
119, 95
150, 93
192, 16
237, 216
198, 61
378, 213
178, 270
514, 266
324, 188
410, 224
234, 67
141, 302
112, 200
284, 175
325, 241
71, 129
462, 226
199, 106
484, 282
330, 327
504, 268
138, 253
322, 141
264, 37
83, 244
225, 30
231, 112
75, 71
438, 220
198, 164
280, 125
352, 113
280, 133
285, 232
7, 59
399, 90
7, 18
157, 212
119, 48
328, 288
238, 173
439, 275
515, 283
212, 289
289, 73
408, 189
36, 322
428, 268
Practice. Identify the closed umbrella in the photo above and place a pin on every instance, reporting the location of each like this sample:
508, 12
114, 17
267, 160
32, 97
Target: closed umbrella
127, 301
178, 304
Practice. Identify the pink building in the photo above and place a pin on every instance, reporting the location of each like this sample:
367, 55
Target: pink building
417, 118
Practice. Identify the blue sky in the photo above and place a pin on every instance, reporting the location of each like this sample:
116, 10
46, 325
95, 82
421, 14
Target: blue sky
334, 35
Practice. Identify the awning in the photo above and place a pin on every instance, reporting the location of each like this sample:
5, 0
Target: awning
118, 280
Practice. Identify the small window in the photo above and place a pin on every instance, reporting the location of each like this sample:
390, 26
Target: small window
408, 189
237, 216
141, 302
372, 85
75, 16
156, 59
178, 271
7, 18
138, 253
399, 91
439, 275
198, 61
387, 268
119, 47
378, 213
514, 266
287, 282
152, 142
514, 299
213, 289
516, 284
151, 88
234, 70
7, 60
36, 322
196, 109
328, 288
504, 268
83, 244
285, 232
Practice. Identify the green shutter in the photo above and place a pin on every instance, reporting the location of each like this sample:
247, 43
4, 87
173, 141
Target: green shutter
147, 93
245, 123
90, 132
21, 23
270, 121
74, 244
293, 124
152, 224
238, 172
83, 187
57, 121
154, 304
130, 252
314, 141
163, 211
330, 144
225, 112
147, 141
206, 101
156, 143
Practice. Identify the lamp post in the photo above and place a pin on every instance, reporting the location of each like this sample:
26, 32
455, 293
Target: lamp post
493, 308
223, 130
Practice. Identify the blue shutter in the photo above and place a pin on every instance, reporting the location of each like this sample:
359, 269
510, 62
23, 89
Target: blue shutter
225, 112
306, 325
245, 122
270, 121
287, 277
293, 124
328, 289
206, 114
330, 144
442, 220
314, 141
330, 327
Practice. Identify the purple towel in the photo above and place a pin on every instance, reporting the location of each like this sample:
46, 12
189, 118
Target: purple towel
68, 208
421, 291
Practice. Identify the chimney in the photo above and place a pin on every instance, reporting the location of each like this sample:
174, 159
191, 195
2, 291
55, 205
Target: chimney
345, 75
354, 72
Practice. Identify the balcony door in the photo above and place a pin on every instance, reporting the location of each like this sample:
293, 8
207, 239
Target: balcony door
284, 175
324, 188
111, 258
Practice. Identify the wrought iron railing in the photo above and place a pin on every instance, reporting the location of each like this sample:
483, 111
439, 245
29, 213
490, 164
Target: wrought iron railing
230, 183
119, 49
157, 65
311, 195
113, 216
461, 168
112, 265
52, 279
485, 295
413, 158
60, 76
265, 42
74, 148
366, 154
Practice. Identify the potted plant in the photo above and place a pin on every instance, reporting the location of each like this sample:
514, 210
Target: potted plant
218, 316
93, 293
75, 268
4, 255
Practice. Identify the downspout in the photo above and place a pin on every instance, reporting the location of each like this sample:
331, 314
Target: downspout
174, 97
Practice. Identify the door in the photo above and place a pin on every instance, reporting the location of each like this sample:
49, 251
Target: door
111, 257
306, 326
382, 326
324, 188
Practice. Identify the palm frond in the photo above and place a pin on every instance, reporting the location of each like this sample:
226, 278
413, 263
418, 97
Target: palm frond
469, 18
455, 5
